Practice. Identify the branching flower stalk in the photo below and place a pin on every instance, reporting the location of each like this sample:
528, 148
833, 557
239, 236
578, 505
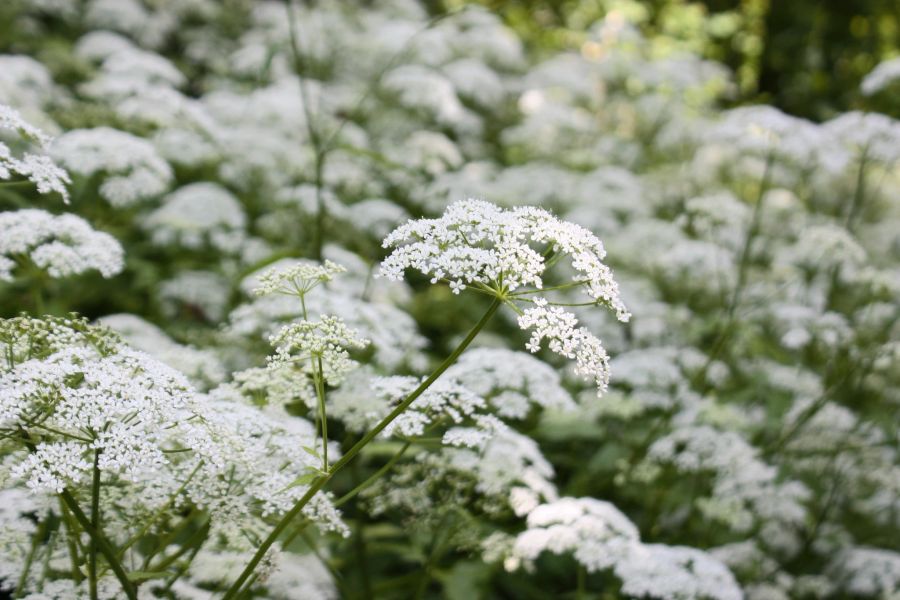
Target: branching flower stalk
98, 540
320, 482
474, 245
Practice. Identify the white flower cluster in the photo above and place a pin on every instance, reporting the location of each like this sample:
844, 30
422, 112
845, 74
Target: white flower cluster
204, 292
298, 278
38, 168
510, 381
367, 399
251, 467
476, 242
312, 345
63, 245
508, 473
368, 306
867, 572
881, 77
558, 327
601, 538
131, 168
72, 394
745, 490
66, 394
196, 216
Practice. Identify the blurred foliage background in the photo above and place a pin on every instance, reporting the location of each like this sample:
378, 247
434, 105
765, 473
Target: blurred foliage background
807, 57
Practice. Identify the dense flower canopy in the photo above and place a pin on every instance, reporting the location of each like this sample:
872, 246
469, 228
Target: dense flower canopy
383, 300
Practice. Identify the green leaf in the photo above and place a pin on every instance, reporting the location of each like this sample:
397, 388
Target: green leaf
311, 451
303, 480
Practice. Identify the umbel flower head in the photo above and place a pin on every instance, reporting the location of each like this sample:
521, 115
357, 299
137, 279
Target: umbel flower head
58, 395
325, 341
63, 245
507, 253
38, 168
480, 244
297, 279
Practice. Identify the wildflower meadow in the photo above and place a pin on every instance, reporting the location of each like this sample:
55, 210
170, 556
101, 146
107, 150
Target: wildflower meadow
393, 299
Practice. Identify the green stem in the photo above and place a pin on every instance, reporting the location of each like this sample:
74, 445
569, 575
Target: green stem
195, 540
170, 537
95, 523
321, 481
724, 330
375, 477
359, 543
37, 298
159, 513
320, 397
104, 547
859, 193
71, 541
29, 560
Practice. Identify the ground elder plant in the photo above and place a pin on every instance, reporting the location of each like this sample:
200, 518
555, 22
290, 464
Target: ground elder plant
309, 300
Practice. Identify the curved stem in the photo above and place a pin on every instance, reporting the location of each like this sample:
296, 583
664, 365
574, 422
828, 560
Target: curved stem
321, 481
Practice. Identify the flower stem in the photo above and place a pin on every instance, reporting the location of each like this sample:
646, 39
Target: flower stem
96, 536
36, 538
320, 397
71, 541
321, 481
103, 545
95, 523
375, 477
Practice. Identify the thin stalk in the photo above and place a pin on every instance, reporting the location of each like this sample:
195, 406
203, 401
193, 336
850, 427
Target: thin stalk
103, 545
723, 332
320, 397
48, 554
322, 480
581, 589
856, 205
182, 569
359, 544
170, 537
37, 298
752, 232
29, 560
71, 541
314, 136
375, 477
433, 557
859, 193
198, 537
95, 523
159, 513
97, 537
